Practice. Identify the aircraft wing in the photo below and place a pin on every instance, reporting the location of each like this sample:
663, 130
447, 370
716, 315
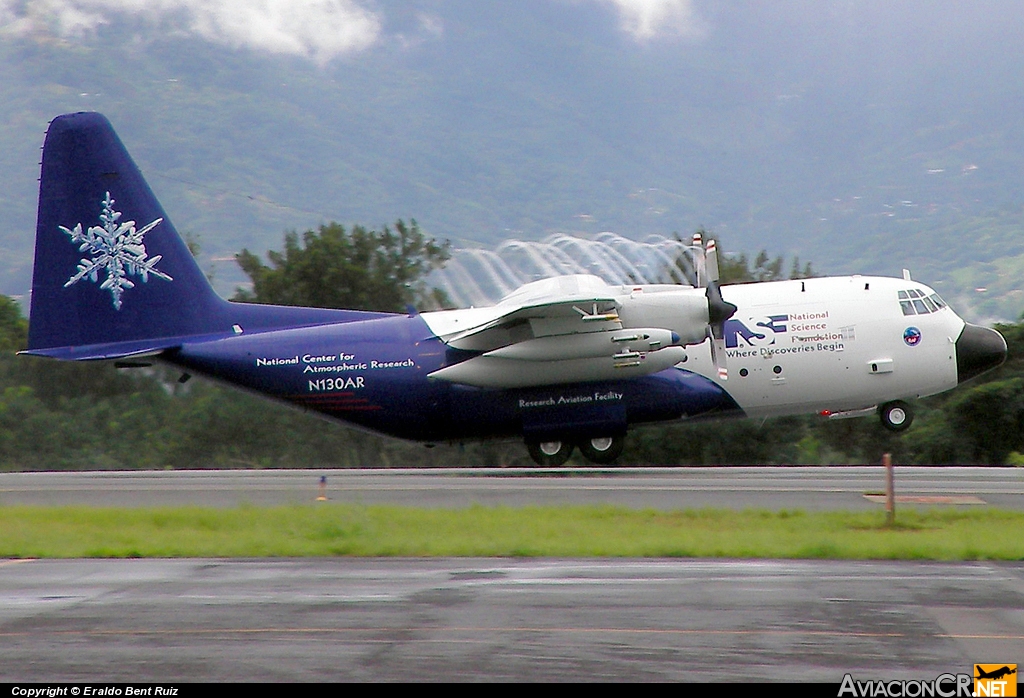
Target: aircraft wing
562, 330
557, 317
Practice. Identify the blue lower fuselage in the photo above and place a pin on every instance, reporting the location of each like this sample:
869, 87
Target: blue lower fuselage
373, 374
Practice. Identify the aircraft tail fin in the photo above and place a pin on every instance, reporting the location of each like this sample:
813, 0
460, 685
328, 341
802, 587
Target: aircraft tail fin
109, 265
112, 277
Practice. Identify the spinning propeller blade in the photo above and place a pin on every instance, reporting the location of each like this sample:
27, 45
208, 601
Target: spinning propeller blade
719, 310
699, 273
711, 261
718, 354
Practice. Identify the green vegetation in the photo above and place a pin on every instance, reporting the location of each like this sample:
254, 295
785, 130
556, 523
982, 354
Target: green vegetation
590, 531
13, 327
359, 269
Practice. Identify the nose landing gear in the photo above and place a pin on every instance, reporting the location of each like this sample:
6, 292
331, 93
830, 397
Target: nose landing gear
896, 415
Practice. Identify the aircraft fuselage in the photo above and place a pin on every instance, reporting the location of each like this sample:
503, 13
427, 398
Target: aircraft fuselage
817, 345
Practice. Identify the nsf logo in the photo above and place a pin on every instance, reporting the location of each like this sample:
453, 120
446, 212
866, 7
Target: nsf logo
912, 336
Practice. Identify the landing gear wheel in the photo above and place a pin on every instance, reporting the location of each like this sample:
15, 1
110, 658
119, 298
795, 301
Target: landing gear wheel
896, 416
549, 452
603, 449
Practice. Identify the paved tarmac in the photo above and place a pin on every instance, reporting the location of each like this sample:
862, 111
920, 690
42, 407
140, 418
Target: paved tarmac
504, 620
807, 488
511, 620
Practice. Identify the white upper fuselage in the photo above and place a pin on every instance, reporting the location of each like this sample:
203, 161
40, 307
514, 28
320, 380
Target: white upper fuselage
825, 344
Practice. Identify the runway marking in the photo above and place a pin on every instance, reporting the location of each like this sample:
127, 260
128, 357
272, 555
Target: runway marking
17, 561
499, 629
927, 499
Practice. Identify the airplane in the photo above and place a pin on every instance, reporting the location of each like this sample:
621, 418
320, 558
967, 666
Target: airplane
562, 363
995, 674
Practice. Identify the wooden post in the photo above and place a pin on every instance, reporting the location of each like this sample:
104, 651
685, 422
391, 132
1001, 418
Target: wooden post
890, 491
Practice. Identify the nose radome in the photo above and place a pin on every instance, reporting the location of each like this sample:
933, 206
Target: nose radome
978, 349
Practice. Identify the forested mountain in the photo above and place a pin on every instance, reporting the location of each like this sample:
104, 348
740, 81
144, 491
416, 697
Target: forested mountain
864, 136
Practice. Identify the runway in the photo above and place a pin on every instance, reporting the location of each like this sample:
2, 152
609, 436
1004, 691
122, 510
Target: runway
345, 619
807, 488
503, 620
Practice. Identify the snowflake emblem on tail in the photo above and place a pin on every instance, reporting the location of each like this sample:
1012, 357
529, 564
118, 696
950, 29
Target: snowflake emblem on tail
115, 248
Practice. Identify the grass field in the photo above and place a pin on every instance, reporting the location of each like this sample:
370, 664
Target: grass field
593, 531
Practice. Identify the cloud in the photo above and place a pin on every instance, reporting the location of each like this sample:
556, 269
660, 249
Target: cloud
431, 24
647, 19
316, 29
427, 27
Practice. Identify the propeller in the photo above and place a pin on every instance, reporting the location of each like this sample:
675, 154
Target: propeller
700, 277
719, 310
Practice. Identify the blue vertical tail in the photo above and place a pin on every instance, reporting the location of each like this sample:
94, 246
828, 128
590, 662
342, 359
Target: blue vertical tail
112, 277
109, 265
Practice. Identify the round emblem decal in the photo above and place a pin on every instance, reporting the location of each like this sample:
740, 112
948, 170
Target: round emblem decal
912, 336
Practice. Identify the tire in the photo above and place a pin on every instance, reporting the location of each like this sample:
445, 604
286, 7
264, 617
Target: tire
549, 453
602, 450
896, 416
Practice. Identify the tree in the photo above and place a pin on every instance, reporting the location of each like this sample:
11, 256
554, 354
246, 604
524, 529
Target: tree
360, 269
737, 269
13, 327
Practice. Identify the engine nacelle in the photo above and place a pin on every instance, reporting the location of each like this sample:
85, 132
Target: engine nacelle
683, 311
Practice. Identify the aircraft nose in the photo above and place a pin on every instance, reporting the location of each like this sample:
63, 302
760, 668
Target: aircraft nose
977, 350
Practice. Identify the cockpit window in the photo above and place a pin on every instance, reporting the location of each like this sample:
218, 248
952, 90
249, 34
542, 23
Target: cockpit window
914, 302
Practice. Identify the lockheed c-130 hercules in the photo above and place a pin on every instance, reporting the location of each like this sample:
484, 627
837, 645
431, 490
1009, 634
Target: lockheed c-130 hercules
562, 363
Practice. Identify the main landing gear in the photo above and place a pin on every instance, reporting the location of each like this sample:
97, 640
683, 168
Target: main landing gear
549, 452
601, 450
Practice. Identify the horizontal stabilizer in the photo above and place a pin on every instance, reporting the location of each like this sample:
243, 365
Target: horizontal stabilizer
121, 350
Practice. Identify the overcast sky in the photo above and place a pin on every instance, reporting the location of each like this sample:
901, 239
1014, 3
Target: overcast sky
757, 110
320, 30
